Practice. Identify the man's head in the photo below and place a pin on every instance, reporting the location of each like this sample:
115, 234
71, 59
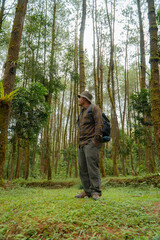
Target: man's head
85, 98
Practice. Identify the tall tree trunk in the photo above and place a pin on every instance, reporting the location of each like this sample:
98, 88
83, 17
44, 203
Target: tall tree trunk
123, 157
2, 14
142, 49
76, 90
26, 163
115, 128
154, 83
98, 74
148, 130
34, 158
9, 77
50, 91
68, 115
54, 133
39, 34
118, 92
125, 80
94, 53
81, 48
47, 158
57, 153
13, 155
19, 154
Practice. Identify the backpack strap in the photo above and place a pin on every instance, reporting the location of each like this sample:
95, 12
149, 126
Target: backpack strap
90, 113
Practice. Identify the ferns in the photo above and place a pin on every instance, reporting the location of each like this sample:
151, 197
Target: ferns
6, 98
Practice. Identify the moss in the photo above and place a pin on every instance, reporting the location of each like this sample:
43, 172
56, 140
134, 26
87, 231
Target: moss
154, 39
154, 59
155, 69
153, 27
151, 10
18, 8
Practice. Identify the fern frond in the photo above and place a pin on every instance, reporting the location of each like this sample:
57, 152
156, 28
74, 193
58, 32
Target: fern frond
7, 97
1, 90
12, 93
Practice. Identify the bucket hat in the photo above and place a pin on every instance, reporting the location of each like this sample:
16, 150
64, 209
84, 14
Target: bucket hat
87, 95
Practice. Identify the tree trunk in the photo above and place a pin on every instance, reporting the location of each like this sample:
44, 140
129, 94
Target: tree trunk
154, 83
33, 158
68, 115
27, 156
115, 128
76, 90
2, 14
57, 138
148, 147
94, 54
47, 158
54, 133
9, 76
118, 93
98, 74
123, 160
142, 50
81, 48
13, 155
125, 101
19, 154
151, 165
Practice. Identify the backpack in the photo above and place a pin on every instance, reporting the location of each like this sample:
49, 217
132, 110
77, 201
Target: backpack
106, 129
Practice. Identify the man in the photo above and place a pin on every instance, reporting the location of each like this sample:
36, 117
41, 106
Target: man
90, 138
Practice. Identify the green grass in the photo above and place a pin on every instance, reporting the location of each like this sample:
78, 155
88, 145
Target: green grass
39, 213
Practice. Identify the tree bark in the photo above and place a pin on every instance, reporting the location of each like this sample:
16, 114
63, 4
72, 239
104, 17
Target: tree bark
94, 53
142, 49
148, 147
81, 48
26, 163
154, 82
19, 154
13, 155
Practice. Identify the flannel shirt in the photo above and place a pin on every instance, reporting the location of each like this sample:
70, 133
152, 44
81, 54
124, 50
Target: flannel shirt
88, 130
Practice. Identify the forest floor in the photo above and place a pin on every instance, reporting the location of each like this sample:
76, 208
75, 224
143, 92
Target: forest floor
128, 212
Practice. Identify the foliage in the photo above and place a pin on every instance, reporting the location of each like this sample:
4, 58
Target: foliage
140, 102
29, 111
69, 156
125, 145
36, 213
5, 98
69, 153
53, 63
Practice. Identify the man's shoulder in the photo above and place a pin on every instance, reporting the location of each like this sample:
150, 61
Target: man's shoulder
94, 107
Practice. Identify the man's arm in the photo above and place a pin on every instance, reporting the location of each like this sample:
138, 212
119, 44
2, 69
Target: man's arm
97, 115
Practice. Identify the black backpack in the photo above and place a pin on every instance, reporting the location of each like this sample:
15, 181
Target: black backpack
106, 130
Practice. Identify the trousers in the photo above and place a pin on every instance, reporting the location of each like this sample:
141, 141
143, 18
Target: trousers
88, 160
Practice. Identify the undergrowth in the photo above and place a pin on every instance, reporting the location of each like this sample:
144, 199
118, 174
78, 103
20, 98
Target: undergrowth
39, 213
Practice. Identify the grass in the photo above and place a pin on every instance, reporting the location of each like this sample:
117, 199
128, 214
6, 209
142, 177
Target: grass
39, 213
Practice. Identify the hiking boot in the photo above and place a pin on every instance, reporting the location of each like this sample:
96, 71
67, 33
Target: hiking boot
82, 195
95, 197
